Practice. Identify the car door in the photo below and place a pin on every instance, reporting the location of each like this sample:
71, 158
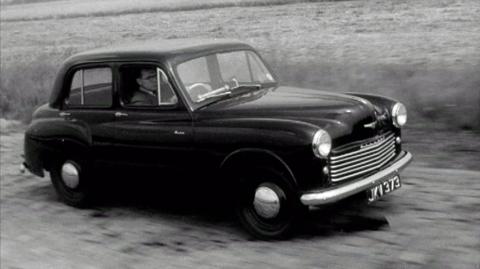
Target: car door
156, 134
89, 105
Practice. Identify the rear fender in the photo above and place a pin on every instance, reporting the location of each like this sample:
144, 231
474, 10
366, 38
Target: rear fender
49, 139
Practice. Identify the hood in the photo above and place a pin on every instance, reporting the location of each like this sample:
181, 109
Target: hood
339, 114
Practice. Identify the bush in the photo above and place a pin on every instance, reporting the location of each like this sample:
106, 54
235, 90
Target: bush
25, 86
438, 96
434, 96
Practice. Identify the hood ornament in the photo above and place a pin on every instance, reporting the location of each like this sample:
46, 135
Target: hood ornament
379, 118
371, 125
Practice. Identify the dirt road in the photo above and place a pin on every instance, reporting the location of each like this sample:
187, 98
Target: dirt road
431, 222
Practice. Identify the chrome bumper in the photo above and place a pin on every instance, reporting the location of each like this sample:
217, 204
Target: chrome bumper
331, 195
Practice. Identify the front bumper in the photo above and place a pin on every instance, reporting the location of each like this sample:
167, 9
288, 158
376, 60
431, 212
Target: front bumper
337, 193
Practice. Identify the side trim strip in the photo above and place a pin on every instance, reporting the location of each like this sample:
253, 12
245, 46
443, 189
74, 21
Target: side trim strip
328, 196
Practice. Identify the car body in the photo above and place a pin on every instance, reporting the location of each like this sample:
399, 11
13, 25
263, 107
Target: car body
217, 112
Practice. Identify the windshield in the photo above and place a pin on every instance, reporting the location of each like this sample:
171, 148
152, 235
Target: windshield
210, 77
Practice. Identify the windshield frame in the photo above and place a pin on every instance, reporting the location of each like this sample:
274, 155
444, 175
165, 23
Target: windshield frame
194, 105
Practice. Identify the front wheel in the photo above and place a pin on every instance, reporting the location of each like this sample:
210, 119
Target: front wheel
268, 209
69, 178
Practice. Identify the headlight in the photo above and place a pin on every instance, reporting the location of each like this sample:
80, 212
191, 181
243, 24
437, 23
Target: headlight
399, 115
322, 144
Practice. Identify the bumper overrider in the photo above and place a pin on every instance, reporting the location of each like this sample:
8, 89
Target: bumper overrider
337, 193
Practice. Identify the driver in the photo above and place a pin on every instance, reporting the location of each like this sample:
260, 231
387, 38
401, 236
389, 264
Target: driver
146, 94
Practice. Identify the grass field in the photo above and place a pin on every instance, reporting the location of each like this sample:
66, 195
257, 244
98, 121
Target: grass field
425, 53
95, 8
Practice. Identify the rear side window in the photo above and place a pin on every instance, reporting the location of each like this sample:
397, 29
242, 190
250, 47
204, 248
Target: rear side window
91, 87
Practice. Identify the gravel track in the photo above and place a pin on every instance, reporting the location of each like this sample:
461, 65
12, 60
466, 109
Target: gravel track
431, 222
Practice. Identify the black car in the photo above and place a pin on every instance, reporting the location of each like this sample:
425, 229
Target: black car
213, 109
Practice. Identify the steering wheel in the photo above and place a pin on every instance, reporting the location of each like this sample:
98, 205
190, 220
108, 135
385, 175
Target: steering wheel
198, 89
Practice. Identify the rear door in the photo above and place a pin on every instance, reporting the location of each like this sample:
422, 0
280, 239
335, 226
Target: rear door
89, 104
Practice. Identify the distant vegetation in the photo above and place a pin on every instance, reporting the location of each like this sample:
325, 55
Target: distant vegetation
338, 47
19, 2
100, 8
432, 95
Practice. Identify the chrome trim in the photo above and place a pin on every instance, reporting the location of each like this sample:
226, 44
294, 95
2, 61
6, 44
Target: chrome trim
371, 125
373, 153
388, 137
70, 174
159, 92
119, 114
361, 161
384, 155
364, 171
316, 143
23, 168
374, 142
371, 156
266, 202
337, 193
179, 132
395, 110
82, 88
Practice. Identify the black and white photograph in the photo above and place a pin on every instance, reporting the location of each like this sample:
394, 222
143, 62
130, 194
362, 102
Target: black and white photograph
239, 134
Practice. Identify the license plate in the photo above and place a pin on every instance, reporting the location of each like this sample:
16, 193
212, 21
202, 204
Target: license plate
383, 188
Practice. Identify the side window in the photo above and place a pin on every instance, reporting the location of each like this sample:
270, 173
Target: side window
91, 87
145, 86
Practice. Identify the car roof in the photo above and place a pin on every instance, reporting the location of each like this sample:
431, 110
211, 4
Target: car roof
162, 49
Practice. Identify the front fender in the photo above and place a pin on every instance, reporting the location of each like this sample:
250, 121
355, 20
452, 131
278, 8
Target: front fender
283, 144
249, 157
231, 134
380, 102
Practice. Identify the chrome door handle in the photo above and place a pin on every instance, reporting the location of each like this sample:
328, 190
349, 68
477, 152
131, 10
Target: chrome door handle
120, 114
64, 114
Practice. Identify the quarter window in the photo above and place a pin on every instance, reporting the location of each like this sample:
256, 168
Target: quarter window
91, 87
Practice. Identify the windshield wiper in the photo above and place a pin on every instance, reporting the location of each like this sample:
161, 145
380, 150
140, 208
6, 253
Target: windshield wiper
226, 91
223, 91
247, 86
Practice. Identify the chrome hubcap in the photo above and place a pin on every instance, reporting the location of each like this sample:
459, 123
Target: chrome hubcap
70, 175
266, 202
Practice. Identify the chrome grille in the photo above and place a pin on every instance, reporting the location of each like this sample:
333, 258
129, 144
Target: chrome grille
371, 155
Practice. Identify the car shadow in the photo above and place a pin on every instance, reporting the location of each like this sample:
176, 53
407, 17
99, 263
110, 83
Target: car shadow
215, 208
345, 217
207, 207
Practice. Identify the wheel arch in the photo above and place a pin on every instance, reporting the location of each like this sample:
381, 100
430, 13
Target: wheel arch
260, 158
46, 140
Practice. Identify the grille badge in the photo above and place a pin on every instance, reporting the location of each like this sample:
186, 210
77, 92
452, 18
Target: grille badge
378, 140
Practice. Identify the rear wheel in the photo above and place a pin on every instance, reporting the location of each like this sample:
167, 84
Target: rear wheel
70, 179
268, 208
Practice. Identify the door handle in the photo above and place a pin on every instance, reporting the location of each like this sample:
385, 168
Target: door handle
120, 114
